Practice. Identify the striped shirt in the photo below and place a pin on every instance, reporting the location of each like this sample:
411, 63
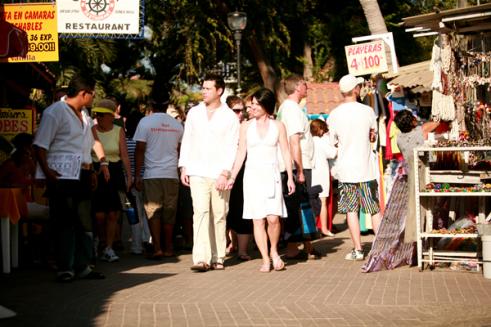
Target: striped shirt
131, 145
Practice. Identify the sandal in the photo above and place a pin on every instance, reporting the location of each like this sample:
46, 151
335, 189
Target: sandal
217, 266
314, 255
200, 267
278, 264
265, 268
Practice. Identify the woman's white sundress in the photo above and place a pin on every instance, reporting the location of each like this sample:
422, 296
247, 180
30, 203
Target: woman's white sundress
262, 183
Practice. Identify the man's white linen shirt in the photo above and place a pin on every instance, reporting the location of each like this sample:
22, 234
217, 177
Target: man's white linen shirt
61, 131
209, 146
349, 127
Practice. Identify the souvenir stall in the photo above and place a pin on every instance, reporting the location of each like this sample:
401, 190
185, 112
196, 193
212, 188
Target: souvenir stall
452, 170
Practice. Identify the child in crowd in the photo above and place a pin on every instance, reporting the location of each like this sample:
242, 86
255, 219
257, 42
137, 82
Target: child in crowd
323, 151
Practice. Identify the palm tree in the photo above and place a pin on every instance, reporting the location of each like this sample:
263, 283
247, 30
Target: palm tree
376, 22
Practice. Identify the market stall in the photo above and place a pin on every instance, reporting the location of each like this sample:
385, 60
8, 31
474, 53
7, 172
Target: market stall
453, 183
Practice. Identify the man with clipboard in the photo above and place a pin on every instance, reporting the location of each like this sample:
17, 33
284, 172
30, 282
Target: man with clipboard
61, 147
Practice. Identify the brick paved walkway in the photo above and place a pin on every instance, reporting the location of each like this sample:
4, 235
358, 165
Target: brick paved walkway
328, 292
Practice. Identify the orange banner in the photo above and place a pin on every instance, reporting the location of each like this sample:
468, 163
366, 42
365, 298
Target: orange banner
39, 21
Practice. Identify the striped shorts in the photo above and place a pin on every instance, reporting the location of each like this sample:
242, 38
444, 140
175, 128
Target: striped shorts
353, 196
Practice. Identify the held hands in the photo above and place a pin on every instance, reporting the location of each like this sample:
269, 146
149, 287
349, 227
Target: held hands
291, 186
230, 183
221, 183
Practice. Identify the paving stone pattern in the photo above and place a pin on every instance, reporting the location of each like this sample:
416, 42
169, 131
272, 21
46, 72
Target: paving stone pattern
327, 292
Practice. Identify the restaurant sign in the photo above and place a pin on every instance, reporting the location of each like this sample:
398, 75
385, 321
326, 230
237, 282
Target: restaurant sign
366, 58
99, 17
38, 20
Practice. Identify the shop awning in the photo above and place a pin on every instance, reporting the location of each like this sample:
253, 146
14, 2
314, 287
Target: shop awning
416, 77
470, 19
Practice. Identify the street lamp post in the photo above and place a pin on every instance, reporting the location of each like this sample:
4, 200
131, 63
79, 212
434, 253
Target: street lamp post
237, 22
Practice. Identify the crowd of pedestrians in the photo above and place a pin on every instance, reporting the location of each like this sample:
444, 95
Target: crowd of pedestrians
230, 170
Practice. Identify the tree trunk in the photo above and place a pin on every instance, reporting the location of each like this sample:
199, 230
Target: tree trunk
461, 3
375, 20
376, 23
267, 72
308, 66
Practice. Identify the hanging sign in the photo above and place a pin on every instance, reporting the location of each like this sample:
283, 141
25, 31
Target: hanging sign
15, 121
38, 20
366, 58
105, 17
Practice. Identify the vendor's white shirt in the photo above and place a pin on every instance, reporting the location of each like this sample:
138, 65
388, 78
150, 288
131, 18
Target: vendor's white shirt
61, 131
296, 122
323, 150
209, 146
349, 127
162, 135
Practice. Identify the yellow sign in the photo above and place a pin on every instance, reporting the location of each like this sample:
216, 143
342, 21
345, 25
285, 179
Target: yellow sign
366, 58
15, 121
39, 21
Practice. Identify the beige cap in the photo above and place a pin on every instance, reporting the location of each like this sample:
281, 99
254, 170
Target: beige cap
349, 82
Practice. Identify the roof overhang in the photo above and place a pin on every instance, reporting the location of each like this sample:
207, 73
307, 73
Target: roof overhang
28, 75
416, 77
466, 20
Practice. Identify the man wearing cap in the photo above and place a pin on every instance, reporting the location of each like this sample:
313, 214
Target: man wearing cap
352, 127
62, 141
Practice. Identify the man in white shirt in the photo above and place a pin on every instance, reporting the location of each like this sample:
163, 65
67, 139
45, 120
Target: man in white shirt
302, 150
65, 132
158, 137
352, 127
208, 152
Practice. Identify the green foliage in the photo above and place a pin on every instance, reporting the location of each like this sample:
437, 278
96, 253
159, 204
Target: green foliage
188, 37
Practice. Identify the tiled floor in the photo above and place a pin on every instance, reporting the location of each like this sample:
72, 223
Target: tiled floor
327, 292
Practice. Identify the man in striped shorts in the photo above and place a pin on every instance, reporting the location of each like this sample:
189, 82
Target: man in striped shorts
352, 127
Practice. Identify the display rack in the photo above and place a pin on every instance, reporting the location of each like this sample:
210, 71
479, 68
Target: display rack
425, 201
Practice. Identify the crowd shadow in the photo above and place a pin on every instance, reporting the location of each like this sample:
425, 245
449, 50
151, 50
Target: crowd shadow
31, 292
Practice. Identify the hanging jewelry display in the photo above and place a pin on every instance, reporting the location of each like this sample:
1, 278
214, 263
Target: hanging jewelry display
442, 107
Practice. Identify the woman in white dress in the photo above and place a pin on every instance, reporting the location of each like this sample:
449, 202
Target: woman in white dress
260, 138
323, 150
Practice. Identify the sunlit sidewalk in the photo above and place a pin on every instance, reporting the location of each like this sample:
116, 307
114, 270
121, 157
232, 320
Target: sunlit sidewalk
326, 292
